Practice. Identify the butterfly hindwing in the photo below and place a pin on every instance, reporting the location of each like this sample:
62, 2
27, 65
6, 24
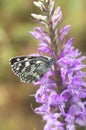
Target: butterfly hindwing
30, 69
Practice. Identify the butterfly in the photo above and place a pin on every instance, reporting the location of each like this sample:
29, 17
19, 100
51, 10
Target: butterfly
30, 68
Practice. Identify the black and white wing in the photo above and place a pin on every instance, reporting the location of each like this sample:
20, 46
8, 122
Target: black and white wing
30, 69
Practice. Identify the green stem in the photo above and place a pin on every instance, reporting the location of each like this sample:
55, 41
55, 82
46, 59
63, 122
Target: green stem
54, 48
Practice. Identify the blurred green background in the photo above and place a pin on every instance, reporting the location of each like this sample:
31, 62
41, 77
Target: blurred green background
16, 112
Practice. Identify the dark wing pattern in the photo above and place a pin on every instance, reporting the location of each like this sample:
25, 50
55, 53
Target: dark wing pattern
30, 69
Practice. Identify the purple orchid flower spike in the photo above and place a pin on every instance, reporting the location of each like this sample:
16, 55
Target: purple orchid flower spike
62, 88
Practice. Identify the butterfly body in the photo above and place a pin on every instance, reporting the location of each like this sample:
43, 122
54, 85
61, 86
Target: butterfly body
30, 68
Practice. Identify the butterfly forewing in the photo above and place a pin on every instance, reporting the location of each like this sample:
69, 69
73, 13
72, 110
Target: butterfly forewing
17, 64
30, 69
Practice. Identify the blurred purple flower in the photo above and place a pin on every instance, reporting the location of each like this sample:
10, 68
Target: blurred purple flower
63, 32
62, 91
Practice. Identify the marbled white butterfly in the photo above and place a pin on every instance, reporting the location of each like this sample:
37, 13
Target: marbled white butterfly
30, 69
